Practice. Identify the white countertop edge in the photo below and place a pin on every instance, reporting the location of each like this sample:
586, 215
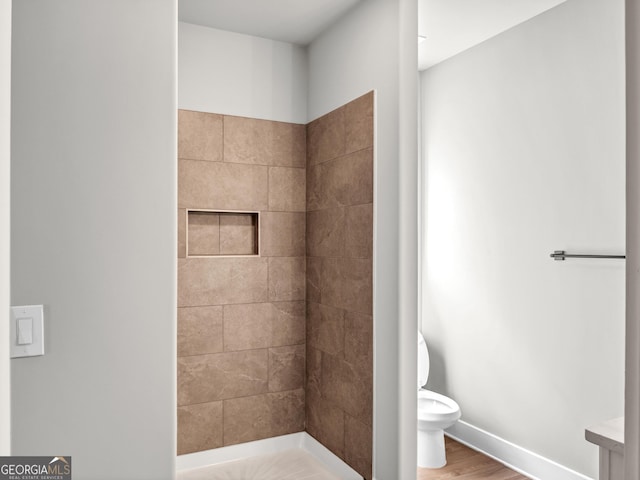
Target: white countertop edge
609, 434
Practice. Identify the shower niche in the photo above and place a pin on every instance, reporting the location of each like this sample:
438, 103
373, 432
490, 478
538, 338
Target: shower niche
221, 233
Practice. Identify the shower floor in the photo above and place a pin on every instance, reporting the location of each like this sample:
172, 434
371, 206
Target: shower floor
293, 464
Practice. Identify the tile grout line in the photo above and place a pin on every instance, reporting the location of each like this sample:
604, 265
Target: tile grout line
297, 167
338, 157
243, 303
241, 397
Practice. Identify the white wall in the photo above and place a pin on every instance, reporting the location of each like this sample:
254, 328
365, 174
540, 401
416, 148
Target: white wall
524, 147
235, 74
408, 258
5, 155
94, 232
366, 50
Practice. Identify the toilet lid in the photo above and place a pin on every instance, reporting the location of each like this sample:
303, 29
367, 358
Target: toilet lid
423, 362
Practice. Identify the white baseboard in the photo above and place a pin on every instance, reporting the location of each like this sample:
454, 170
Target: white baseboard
513, 456
301, 440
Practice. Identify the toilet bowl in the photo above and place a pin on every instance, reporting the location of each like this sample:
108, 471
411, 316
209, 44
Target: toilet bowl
435, 413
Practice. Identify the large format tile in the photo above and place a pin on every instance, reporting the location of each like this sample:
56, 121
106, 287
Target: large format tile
358, 341
262, 416
358, 446
313, 371
326, 233
314, 279
325, 422
286, 278
326, 137
359, 123
347, 283
316, 196
263, 142
359, 231
222, 186
289, 145
350, 390
282, 234
287, 412
247, 326
325, 328
286, 368
199, 136
261, 325
199, 330
247, 419
287, 189
221, 281
206, 378
347, 180
247, 140
288, 323
199, 427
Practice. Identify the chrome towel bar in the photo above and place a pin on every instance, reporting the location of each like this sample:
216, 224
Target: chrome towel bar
561, 255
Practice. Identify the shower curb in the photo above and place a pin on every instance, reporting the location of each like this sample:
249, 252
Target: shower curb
300, 440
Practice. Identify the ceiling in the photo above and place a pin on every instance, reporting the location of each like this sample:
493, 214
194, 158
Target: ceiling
293, 21
452, 26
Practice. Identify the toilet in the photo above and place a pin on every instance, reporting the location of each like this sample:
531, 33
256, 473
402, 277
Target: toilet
435, 413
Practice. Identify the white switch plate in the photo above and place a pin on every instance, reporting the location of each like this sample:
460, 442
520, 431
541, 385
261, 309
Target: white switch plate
27, 326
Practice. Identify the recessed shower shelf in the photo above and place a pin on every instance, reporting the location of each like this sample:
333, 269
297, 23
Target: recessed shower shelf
222, 233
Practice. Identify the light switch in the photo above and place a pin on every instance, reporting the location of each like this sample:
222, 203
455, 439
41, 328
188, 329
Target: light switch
27, 331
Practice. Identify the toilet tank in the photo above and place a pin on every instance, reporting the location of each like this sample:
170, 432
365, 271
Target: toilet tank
423, 362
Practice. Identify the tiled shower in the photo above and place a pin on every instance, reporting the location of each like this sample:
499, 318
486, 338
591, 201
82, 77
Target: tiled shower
275, 280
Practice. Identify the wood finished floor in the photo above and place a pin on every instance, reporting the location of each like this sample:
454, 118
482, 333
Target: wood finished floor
464, 463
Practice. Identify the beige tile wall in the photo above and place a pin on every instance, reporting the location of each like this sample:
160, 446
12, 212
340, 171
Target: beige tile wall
245, 332
241, 320
339, 369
